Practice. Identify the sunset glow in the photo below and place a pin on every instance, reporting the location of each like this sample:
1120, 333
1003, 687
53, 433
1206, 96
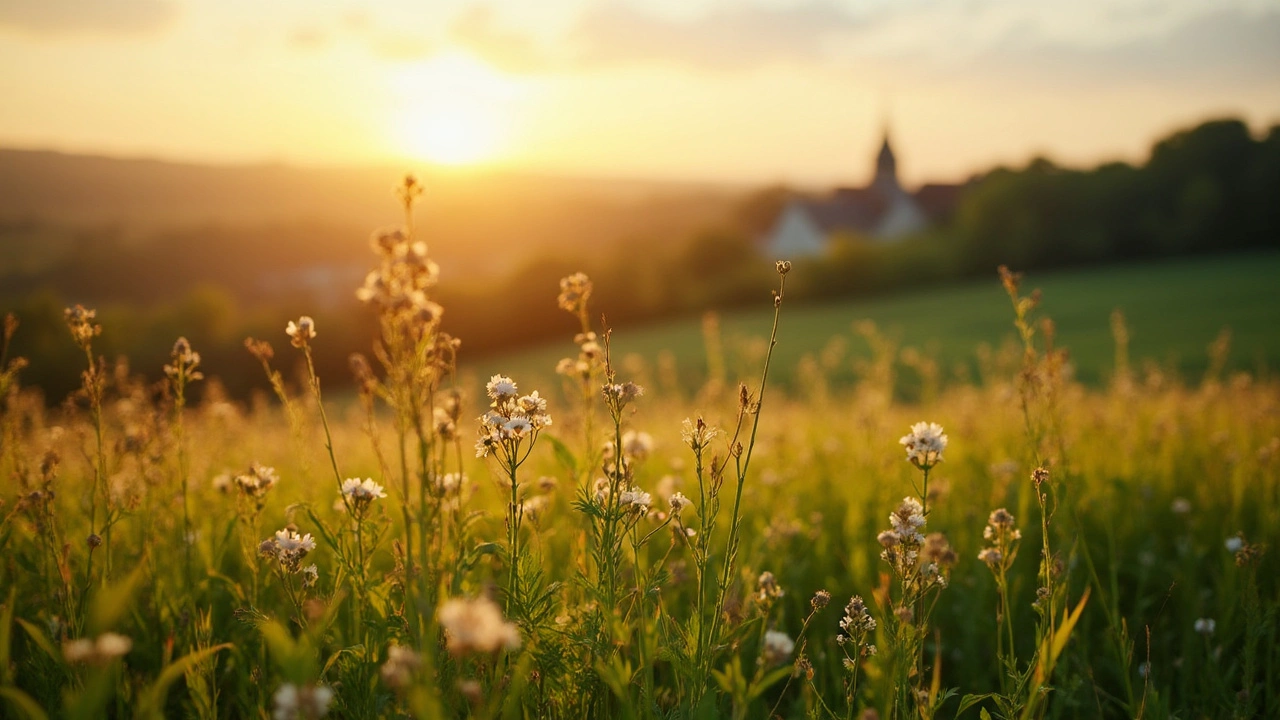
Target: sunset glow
454, 110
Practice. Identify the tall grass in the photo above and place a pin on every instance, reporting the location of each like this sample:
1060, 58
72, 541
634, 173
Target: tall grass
1042, 550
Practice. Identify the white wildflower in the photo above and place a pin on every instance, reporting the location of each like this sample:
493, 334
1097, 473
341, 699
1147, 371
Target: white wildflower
476, 626
778, 646
924, 444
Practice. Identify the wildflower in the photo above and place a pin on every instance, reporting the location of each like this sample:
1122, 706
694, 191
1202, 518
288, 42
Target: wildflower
924, 444
289, 548
302, 332
500, 387
1180, 506
1206, 626
783, 266
308, 702
80, 322
635, 501
767, 588
1235, 543
362, 492
93, 541
857, 622
1004, 536
476, 626
185, 361
678, 503
105, 648
401, 664
778, 646
618, 395
637, 445
907, 520
575, 291
310, 576
257, 481
1039, 476
697, 434
820, 599
535, 506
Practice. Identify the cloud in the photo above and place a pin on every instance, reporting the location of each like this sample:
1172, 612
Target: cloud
725, 37
1224, 47
57, 17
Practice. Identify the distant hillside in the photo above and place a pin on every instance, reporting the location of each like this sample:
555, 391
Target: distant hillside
484, 222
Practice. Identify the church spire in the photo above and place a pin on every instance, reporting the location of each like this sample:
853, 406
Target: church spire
886, 177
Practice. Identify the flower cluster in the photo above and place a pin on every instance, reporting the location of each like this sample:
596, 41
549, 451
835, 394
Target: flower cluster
590, 357
510, 418
575, 291
184, 362
618, 395
80, 320
920, 562
399, 287
308, 702
359, 494
476, 626
767, 589
697, 434
924, 444
1003, 536
635, 502
99, 651
289, 548
255, 483
856, 626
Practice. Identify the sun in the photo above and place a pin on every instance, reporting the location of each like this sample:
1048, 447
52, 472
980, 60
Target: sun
454, 110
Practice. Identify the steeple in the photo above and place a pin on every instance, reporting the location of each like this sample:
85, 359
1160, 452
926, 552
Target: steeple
886, 177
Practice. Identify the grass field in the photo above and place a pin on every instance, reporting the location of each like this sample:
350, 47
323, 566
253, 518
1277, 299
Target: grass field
1174, 309
582, 547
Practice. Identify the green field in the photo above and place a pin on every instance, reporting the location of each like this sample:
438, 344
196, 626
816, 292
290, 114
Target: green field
1174, 310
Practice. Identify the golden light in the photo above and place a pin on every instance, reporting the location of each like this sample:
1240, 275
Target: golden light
455, 109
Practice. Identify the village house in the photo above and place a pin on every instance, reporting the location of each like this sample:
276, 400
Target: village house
882, 211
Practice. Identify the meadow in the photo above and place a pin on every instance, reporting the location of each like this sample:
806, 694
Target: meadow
864, 533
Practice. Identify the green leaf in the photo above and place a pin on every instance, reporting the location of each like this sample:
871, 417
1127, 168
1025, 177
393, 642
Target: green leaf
563, 455
151, 701
969, 701
112, 602
769, 680
984, 715
27, 707
37, 636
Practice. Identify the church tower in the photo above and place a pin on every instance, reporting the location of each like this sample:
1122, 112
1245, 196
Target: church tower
886, 177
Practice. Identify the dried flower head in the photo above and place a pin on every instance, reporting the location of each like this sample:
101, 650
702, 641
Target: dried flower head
302, 332
697, 434
184, 362
80, 320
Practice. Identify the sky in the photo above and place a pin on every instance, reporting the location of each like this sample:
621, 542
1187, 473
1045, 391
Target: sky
743, 91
